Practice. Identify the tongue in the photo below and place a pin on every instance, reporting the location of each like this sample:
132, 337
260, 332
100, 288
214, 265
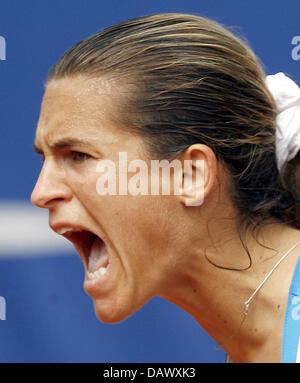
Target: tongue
98, 256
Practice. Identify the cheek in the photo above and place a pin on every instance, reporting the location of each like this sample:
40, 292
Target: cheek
141, 226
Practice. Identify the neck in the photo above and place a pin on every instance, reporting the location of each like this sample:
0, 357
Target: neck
215, 296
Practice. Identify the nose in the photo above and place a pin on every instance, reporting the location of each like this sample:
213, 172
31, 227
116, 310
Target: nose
50, 187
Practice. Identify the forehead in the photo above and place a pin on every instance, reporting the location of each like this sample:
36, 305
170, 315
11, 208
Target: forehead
79, 103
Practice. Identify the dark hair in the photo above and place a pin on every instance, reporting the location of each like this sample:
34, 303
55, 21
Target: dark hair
193, 81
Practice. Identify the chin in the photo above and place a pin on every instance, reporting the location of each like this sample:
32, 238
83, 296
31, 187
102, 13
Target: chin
112, 313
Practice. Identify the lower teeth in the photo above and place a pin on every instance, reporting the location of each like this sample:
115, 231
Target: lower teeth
98, 273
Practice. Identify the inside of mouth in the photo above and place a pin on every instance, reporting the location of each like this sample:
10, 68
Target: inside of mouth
94, 249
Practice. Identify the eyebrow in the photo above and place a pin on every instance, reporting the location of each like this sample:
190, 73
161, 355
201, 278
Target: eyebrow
62, 144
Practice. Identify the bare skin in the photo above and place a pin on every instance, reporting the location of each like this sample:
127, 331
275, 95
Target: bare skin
157, 245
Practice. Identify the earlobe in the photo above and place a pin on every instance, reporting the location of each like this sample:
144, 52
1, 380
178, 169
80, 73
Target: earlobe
199, 173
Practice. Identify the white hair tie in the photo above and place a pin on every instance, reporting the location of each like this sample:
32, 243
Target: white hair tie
287, 97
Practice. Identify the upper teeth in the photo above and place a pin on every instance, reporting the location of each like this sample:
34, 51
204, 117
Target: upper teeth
67, 229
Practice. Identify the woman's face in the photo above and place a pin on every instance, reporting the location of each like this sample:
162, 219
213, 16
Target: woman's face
134, 260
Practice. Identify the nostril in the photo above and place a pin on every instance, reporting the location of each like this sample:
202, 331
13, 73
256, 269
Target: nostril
44, 200
52, 202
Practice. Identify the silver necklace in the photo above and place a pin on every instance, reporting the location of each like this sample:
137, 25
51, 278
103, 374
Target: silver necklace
248, 301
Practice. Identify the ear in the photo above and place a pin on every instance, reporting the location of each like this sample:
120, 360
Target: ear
199, 174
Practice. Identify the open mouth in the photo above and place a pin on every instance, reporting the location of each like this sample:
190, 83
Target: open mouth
91, 248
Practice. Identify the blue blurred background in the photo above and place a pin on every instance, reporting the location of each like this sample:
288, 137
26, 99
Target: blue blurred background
46, 316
